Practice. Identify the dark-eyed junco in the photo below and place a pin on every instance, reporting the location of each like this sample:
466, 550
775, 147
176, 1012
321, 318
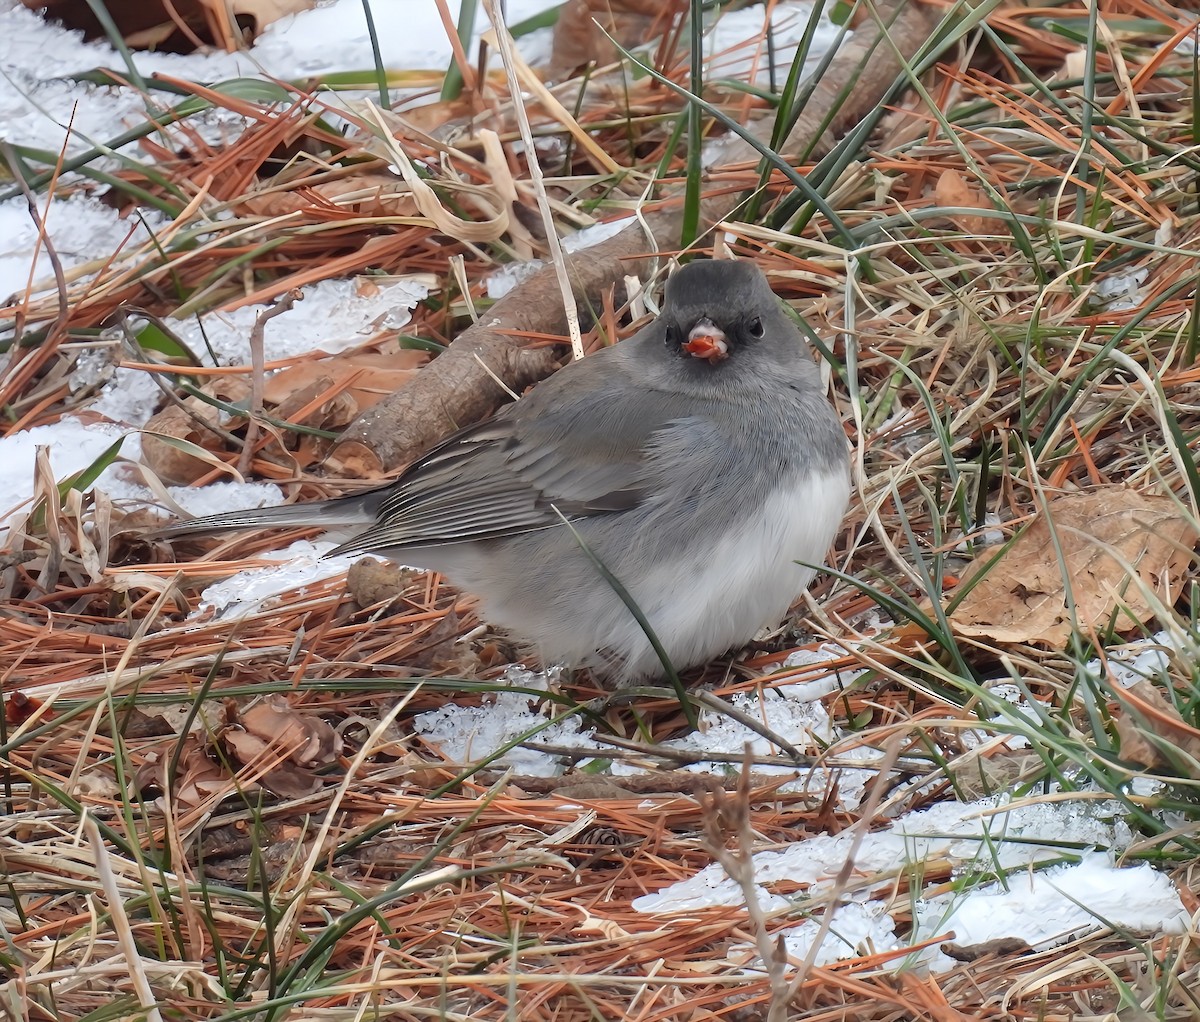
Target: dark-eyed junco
699, 461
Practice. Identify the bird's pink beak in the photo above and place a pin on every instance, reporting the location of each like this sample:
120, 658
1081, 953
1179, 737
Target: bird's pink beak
707, 340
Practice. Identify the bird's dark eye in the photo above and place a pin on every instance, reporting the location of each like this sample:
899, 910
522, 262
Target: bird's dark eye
755, 327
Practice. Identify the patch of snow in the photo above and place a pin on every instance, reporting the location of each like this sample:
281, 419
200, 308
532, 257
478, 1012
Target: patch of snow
334, 37
80, 227
301, 564
1136, 661
736, 45
466, 734
858, 929
503, 280
36, 59
800, 722
830, 682
990, 536
971, 834
790, 712
1053, 906
1119, 292
130, 397
852, 785
225, 496
333, 315
974, 737
72, 446
586, 237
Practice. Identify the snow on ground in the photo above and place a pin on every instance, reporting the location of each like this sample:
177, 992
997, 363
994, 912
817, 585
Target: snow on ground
82, 229
1041, 909
982, 839
992, 844
729, 56
301, 564
466, 734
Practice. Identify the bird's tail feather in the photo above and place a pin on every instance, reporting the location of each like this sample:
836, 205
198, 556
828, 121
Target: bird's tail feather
357, 509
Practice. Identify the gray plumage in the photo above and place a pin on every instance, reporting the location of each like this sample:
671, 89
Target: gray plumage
697, 481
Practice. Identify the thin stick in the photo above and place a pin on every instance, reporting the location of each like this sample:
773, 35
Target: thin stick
258, 373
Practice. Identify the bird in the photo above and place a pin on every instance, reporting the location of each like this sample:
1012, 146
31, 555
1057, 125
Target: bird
700, 462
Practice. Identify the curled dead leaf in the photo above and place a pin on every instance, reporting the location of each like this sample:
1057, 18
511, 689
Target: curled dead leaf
190, 421
372, 581
198, 779
310, 741
270, 762
1103, 536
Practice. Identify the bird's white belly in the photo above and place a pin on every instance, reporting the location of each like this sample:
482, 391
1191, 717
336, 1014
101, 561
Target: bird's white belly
723, 595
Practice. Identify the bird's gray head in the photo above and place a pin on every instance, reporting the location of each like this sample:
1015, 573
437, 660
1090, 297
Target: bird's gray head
716, 310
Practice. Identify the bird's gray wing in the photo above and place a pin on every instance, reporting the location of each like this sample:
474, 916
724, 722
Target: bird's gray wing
584, 452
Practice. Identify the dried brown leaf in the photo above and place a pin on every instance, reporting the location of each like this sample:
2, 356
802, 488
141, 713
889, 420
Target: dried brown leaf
1150, 712
1022, 596
952, 189
364, 377
581, 34
305, 739
370, 581
197, 777
364, 195
268, 764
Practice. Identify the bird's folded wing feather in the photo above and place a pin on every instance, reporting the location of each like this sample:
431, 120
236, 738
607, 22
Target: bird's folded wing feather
508, 475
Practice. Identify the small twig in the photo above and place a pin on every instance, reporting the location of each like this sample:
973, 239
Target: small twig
258, 365
732, 815
914, 768
714, 702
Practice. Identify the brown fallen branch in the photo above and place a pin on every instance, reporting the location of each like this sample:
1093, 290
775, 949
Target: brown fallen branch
459, 387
